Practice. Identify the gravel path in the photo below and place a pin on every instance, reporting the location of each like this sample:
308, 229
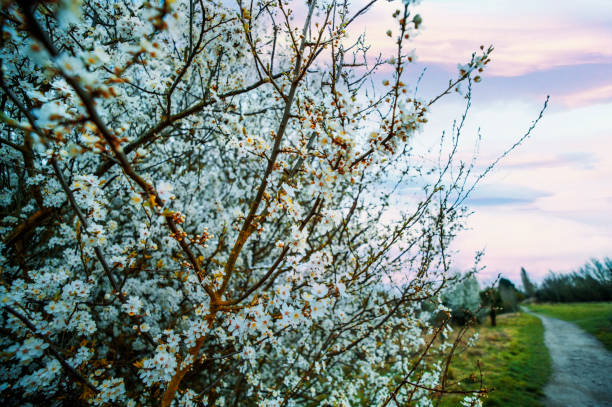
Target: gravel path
582, 367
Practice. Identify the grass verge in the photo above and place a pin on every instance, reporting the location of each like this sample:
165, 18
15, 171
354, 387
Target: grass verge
593, 317
514, 362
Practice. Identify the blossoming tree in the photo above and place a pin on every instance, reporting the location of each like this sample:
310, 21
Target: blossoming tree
195, 207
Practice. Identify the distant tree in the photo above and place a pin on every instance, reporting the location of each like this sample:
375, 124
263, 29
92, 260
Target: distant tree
463, 298
508, 295
491, 298
528, 286
591, 282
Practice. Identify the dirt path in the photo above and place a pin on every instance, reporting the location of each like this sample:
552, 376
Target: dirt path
582, 367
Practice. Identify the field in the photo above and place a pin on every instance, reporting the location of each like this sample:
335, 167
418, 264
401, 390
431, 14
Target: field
593, 317
514, 362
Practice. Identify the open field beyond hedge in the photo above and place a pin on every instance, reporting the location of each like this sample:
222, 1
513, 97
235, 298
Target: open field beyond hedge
593, 317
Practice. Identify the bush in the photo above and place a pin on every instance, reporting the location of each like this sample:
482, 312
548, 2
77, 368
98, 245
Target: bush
196, 206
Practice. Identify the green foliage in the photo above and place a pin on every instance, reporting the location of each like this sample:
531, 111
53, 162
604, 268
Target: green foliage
592, 282
508, 294
514, 362
491, 297
530, 288
503, 298
595, 318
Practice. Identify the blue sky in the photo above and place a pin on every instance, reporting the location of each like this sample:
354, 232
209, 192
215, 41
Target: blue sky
548, 206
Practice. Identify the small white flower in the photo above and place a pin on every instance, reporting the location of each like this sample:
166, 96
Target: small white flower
164, 189
132, 306
70, 65
135, 199
317, 308
319, 290
283, 291
49, 113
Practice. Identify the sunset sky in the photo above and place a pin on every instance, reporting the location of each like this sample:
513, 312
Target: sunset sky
548, 206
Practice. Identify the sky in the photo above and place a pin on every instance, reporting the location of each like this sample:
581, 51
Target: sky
548, 205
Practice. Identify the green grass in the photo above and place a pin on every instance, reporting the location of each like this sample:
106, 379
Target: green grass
514, 362
593, 317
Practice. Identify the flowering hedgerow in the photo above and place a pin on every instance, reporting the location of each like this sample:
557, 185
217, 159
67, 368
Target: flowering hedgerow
196, 201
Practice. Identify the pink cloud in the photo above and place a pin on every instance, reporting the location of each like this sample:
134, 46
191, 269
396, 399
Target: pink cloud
519, 49
587, 96
538, 241
526, 39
